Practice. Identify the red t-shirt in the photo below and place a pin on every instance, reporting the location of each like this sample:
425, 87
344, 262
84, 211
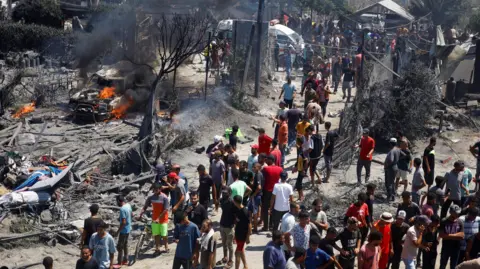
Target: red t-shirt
264, 142
278, 156
271, 175
360, 213
366, 145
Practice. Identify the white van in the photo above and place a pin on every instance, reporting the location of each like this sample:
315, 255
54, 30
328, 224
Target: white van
285, 35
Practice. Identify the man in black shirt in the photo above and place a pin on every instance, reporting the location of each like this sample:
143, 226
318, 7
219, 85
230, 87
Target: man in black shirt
429, 162
411, 209
256, 195
233, 138
197, 213
348, 78
430, 240
90, 225
328, 243
398, 231
328, 149
350, 239
86, 261
227, 221
243, 230
206, 183
451, 232
293, 116
245, 176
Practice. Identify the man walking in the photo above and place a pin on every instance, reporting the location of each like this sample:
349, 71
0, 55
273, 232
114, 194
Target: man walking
453, 181
273, 257
288, 92
282, 195
452, 233
367, 146
429, 162
243, 230
197, 212
102, 245
86, 261
348, 78
90, 225
217, 170
399, 229
185, 235
160, 205
471, 224
328, 149
391, 168
124, 230
413, 241
227, 222
271, 175
206, 184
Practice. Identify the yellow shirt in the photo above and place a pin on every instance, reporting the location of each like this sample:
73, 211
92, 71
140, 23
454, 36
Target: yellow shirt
301, 126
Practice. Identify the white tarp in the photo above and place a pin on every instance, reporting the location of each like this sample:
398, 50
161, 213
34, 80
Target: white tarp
49, 183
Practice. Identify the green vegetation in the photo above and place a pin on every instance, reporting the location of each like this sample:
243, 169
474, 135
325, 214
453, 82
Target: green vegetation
20, 37
44, 12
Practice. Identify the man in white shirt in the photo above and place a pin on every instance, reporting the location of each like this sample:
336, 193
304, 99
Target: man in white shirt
288, 222
282, 196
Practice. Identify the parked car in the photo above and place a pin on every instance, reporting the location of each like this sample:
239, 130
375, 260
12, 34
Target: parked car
285, 36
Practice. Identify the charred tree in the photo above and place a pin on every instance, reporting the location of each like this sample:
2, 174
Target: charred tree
177, 37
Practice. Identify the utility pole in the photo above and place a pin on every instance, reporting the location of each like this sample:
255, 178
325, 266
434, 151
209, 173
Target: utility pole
249, 53
259, 47
207, 67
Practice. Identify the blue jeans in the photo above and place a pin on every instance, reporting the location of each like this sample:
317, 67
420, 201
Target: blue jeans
292, 137
283, 149
409, 263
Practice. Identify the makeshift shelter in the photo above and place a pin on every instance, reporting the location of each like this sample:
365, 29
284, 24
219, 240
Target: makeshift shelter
386, 11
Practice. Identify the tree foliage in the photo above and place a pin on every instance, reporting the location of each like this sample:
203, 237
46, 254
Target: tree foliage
44, 12
443, 12
20, 37
474, 22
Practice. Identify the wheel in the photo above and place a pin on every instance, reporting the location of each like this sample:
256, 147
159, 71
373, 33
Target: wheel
139, 246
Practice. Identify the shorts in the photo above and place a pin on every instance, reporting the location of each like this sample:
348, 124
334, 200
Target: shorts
402, 174
160, 229
254, 204
218, 187
328, 161
240, 245
313, 165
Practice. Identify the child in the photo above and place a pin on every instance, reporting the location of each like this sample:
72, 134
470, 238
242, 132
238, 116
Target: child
431, 207
317, 258
418, 181
301, 167
370, 253
430, 243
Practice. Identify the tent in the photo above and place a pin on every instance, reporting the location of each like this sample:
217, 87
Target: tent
388, 8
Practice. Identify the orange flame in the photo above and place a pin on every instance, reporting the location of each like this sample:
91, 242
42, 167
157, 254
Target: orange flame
107, 92
121, 110
24, 110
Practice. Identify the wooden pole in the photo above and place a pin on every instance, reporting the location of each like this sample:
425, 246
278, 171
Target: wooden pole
208, 62
259, 47
249, 53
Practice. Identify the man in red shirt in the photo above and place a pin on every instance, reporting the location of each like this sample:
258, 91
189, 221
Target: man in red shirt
264, 142
367, 145
276, 153
271, 176
282, 138
359, 210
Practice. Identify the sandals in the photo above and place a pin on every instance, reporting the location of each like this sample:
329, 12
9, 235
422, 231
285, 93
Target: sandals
222, 261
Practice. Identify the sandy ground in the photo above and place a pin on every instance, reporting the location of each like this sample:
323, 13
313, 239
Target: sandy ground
341, 189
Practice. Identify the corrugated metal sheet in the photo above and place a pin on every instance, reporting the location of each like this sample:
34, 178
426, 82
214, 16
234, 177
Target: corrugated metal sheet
385, 6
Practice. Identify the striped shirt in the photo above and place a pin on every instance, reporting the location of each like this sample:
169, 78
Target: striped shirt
470, 228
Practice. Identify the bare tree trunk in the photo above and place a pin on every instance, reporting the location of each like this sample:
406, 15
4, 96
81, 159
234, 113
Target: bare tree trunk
148, 123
